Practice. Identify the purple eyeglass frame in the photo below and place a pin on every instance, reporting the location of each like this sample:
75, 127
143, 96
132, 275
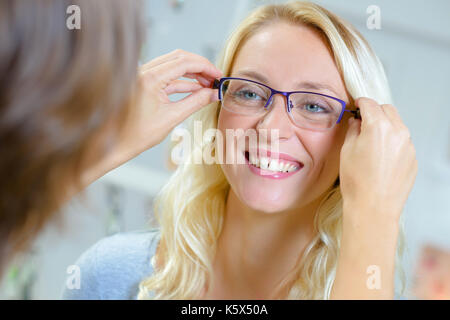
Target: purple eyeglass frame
219, 82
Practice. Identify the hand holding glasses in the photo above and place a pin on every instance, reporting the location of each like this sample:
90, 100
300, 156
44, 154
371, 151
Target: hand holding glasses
309, 110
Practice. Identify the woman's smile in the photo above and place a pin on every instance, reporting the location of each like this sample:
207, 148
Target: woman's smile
272, 165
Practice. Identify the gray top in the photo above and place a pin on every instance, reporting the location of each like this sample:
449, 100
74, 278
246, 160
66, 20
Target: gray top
113, 267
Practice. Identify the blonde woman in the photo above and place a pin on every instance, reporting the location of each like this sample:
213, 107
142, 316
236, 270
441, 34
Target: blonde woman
324, 224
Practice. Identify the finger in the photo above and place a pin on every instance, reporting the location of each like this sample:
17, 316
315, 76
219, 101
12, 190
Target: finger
174, 69
159, 60
393, 115
195, 101
168, 57
205, 81
180, 55
182, 86
369, 109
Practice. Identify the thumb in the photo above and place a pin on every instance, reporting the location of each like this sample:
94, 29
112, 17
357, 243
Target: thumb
195, 101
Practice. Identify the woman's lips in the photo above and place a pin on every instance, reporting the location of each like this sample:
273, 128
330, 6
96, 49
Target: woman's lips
274, 174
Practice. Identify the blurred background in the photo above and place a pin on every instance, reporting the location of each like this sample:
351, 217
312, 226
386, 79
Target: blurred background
414, 46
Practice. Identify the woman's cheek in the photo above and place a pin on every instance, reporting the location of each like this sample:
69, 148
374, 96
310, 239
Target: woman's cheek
234, 140
228, 120
323, 149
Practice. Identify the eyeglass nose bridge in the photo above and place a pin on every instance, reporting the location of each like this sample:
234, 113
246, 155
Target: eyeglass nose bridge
285, 94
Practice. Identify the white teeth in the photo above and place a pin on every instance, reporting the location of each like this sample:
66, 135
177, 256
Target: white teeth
274, 166
271, 164
264, 163
252, 159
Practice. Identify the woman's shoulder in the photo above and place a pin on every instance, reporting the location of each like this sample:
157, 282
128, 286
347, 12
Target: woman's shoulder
114, 266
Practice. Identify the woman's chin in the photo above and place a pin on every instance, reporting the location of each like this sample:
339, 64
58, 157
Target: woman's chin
269, 201
263, 194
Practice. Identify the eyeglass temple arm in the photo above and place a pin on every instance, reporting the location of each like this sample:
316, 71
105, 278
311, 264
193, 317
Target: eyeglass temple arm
357, 114
216, 84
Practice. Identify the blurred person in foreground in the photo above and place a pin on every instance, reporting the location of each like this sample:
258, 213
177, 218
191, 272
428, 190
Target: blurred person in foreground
74, 105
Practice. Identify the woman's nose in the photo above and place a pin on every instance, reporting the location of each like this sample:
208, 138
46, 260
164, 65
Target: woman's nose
277, 118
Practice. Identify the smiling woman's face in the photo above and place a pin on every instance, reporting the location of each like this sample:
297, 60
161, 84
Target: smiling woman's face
287, 57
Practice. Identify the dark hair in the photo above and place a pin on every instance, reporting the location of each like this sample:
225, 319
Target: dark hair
63, 95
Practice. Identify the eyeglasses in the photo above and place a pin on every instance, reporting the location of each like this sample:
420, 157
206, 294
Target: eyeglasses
308, 110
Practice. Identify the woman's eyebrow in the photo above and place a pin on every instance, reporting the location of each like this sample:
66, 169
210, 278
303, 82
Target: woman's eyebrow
316, 86
253, 74
303, 84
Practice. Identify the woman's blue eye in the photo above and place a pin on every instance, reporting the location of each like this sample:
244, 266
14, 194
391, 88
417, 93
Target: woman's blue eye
247, 95
314, 108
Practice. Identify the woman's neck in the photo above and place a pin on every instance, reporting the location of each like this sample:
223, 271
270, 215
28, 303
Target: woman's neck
257, 250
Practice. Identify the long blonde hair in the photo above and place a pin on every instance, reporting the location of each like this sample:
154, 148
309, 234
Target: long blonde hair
190, 208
